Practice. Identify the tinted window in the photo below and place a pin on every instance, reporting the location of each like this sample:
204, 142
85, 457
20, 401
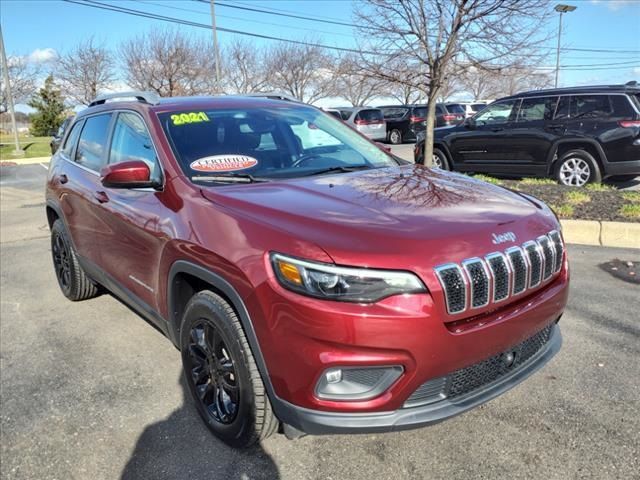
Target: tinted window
439, 109
476, 107
420, 112
370, 115
455, 108
562, 111
345, 114
621, 106
392, 113
590, 106
532, 109
131, 141
496, 113
93, 139
334, 113
72, 139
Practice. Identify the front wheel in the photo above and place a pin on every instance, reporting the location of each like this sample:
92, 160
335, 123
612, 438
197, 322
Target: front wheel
221, 373
395, 136
440, 159
576, 168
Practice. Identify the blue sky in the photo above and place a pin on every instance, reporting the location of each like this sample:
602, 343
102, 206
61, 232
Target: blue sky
40, 28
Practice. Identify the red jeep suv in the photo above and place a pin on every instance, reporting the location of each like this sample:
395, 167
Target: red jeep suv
310, 279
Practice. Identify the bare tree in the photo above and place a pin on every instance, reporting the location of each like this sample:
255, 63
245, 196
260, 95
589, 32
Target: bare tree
85, 71
353, 84
23, 77
169, 63
303, 71
480, 84
245, 69
403, 93
451, 85
444, 37
518, 78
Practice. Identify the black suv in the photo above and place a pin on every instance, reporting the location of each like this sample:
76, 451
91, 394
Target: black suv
576, 135
405, 121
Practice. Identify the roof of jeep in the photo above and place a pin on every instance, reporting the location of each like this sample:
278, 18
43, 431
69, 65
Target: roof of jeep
631, 87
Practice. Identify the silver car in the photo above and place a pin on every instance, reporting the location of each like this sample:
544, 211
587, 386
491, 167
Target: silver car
368, 121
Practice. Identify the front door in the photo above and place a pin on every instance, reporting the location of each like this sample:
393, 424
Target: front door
483, 146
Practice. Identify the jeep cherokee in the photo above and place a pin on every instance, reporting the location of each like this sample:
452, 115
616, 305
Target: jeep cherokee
308, 278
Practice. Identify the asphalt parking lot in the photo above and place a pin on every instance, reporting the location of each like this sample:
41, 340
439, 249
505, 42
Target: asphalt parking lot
89, 390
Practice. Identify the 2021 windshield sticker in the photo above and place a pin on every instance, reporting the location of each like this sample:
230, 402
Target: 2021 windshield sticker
223, 163
187, 118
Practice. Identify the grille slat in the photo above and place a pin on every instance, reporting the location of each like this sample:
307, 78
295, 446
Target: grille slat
478, 282
500, 275
469, 379
520, 269
454, 285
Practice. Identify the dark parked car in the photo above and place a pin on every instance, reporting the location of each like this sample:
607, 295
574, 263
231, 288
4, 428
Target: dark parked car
576, 135
307, 277
405, 121
59, 134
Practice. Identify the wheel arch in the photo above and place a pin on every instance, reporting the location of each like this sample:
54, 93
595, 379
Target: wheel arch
562, 146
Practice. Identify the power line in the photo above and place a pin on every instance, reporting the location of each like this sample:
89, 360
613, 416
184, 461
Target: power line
289, 11
154, 16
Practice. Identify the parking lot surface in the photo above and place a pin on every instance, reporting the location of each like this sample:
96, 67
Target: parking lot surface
89, 390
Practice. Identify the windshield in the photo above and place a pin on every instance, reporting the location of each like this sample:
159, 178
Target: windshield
264, 143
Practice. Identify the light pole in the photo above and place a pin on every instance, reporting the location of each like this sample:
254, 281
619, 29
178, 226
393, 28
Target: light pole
560, 8
215, 44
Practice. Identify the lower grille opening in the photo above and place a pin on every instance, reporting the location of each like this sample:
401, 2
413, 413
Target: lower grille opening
471, 378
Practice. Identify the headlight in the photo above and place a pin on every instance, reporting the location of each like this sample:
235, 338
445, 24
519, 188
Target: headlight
346, 284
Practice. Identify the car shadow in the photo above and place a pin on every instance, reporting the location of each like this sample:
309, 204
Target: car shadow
181, 446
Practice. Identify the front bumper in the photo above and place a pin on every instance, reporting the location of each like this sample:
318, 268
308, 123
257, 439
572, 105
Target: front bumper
317, 422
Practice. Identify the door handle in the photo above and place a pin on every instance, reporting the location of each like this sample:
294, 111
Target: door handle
62, 178
101, 196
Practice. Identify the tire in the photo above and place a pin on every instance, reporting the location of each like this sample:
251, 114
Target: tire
440, 160
221, 373
72, 279
395, 136
576, 168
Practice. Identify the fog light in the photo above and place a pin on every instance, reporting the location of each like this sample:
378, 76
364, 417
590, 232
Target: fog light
333, 376
356, 383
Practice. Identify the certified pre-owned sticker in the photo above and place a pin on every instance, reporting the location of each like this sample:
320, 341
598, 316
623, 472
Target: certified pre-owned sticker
223, 163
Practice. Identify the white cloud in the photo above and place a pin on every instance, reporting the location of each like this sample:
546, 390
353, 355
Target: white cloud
636, 71
42, 55
615, 5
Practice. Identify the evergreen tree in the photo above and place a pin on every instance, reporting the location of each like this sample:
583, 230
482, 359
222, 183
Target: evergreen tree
49, 106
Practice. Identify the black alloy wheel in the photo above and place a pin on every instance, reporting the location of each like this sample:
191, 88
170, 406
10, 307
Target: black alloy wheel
212, 371
61, 261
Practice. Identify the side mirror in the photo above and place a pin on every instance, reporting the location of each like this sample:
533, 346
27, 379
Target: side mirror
470, 123
130, 174
384, 147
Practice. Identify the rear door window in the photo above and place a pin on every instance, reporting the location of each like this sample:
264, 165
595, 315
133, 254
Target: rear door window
590, 106
370, 116
93, 140
456, 108
393, 113
72, 139
535, 109
621, 106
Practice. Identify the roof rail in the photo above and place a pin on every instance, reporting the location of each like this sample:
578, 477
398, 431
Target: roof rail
151, 98
274, 96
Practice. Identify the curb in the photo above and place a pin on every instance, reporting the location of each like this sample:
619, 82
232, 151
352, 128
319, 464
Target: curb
26, 161
603, 234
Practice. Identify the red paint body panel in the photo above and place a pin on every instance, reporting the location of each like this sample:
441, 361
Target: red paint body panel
403, 218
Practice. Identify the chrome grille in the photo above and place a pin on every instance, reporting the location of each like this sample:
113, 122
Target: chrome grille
559, 248
453, 283
499, 275
478, 282
520, 269
548, 253
534, 257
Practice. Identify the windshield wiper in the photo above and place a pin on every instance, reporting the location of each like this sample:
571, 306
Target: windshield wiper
229, 178
342, 169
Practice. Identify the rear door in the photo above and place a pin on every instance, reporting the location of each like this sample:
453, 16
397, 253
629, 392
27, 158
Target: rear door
483, 145
532, 135
81, 173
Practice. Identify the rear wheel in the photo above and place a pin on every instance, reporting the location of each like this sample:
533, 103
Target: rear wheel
395, 136
576, 168
74, 282
221, 373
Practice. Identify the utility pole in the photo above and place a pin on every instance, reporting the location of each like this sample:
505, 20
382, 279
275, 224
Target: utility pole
560, 9
215, 43
5, 73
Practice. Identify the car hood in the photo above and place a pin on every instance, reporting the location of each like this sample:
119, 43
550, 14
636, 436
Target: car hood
390, 214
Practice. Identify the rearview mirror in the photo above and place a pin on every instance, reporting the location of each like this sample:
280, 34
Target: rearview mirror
130, 174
